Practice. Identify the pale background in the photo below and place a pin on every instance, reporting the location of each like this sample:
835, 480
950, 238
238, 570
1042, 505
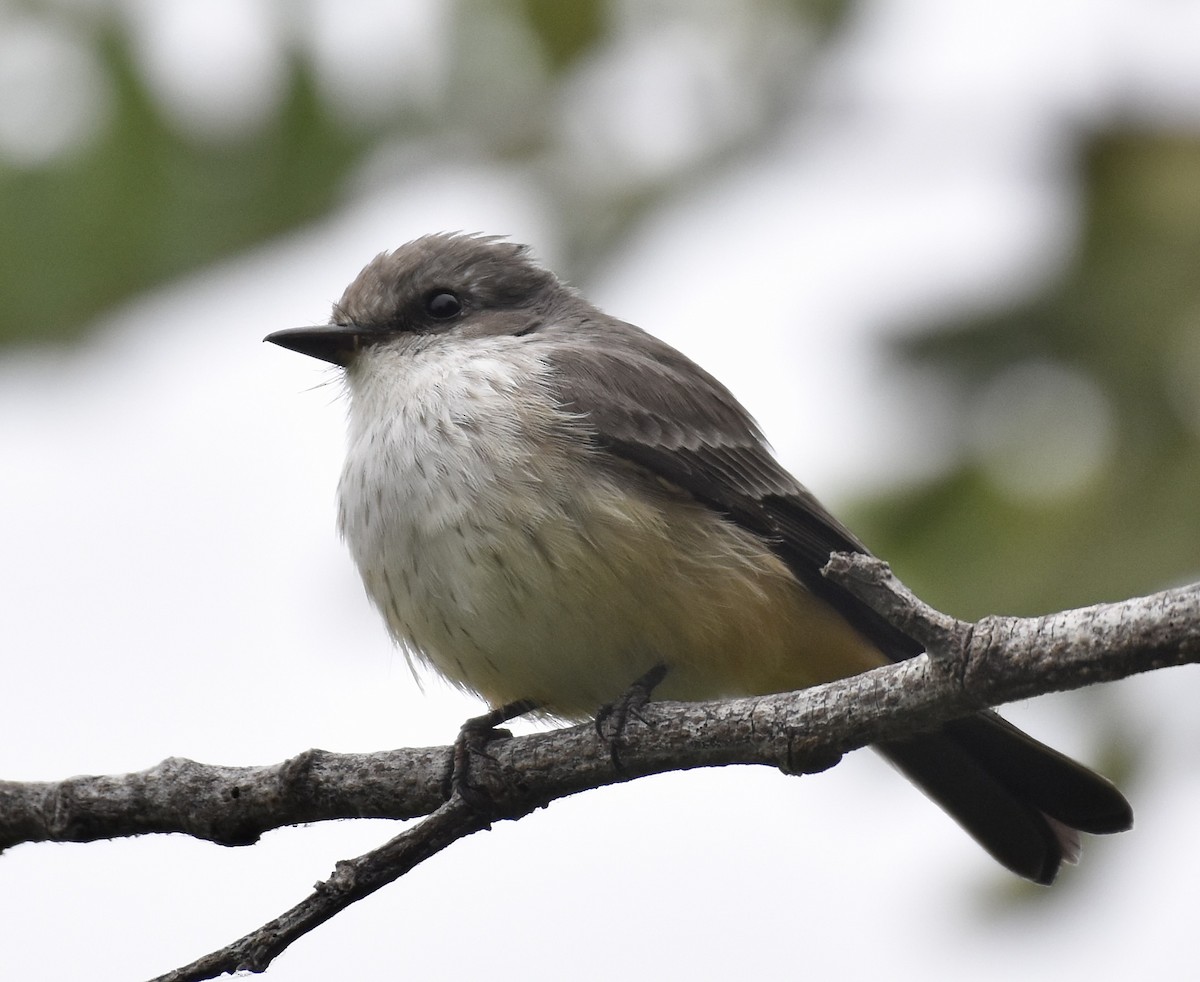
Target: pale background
172, 583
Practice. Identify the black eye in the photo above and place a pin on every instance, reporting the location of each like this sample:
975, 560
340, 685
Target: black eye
442, 305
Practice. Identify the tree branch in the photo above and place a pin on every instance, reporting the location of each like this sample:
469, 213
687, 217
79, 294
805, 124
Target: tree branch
351, 881
969, 667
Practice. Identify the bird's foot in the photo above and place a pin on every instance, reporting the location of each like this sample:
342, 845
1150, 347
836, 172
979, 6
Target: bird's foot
471, 745
613, 717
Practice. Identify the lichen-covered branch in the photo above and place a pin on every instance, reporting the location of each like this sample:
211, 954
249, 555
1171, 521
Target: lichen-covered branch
968, 667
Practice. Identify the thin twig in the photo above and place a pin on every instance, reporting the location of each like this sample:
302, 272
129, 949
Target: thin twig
996, 660
352, 880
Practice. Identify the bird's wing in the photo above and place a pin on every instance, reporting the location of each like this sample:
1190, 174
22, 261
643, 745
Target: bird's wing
649, 404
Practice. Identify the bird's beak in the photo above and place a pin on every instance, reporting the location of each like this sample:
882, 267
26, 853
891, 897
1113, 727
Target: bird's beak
334, 343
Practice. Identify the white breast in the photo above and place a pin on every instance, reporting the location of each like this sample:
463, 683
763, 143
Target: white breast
456, 501
505, 555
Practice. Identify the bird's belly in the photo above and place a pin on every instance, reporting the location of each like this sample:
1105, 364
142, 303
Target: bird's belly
567, 606
544, 575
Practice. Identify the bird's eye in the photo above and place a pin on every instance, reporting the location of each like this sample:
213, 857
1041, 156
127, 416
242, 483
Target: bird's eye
442, 305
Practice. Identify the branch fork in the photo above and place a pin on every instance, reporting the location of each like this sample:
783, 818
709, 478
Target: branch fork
968, 667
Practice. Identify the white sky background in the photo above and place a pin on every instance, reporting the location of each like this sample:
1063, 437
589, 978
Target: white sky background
173, 584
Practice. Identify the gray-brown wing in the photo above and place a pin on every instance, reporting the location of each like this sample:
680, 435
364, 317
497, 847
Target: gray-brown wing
650, 404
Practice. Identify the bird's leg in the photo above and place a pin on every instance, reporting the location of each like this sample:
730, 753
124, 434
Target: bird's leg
613, 717
472, 740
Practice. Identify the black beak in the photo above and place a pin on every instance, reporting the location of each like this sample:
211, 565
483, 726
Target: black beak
334, 343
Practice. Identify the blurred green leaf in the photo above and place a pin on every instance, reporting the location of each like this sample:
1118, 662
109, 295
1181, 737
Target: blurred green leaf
1125, 313
565, 30
144, 203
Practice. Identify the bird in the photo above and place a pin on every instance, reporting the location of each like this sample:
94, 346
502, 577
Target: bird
547, 504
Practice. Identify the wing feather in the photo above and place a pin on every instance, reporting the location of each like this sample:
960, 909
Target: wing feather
650, 405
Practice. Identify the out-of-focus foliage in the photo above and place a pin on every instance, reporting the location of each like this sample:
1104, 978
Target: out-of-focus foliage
1080, 476
1079, 413
144, 202
145, 198
565, 31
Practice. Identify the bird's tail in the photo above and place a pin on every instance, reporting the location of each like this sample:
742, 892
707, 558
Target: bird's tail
1023, 801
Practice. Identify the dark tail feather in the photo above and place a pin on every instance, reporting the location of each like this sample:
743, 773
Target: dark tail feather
1021, 800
